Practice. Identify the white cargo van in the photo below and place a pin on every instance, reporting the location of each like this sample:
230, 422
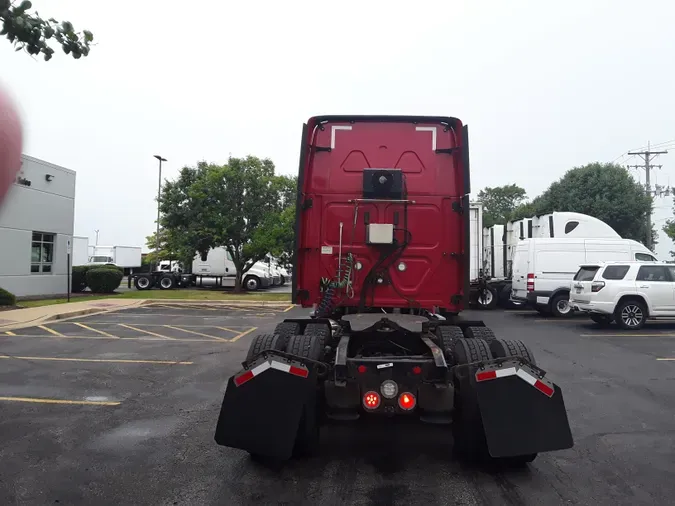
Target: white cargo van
544, 268
217, 263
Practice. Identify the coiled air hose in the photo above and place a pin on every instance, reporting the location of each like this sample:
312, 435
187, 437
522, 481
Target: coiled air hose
327, 303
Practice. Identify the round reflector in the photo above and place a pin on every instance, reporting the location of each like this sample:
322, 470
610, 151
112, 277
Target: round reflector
389, 389
371, 400
417, 370
362, 368
406, 401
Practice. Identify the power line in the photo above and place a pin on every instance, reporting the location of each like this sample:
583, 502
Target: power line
647, 157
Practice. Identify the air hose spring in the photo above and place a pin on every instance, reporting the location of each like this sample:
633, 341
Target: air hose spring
325, 307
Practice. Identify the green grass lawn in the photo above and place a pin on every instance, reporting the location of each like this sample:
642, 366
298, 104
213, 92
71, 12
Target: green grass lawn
188, 294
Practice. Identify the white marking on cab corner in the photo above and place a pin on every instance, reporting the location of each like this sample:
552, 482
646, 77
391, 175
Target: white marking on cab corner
326, 250
332, 133
384, 366
433, 135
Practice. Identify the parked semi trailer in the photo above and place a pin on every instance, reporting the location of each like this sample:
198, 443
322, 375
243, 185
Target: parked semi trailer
382, 259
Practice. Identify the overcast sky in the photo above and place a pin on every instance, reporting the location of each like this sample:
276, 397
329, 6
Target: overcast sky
544, 86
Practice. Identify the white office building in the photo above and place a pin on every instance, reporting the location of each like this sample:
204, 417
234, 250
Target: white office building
36, 225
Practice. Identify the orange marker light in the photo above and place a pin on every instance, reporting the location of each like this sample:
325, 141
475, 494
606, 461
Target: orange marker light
407, 401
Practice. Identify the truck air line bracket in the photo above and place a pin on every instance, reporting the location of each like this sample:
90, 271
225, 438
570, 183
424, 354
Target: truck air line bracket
522, 412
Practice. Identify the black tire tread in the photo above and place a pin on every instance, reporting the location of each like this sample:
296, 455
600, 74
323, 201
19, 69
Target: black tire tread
305, 346
476, 350
504, 348
285, 330
484, 333
319, 330
263, 342
447, 335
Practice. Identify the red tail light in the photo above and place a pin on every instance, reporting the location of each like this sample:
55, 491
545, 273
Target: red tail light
407, 401
596, 286
371, 400
530, 282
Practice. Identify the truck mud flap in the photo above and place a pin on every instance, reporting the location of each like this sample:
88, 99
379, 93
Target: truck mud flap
263, 406
522, 412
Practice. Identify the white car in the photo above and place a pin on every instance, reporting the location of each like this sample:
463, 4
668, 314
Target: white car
627, 293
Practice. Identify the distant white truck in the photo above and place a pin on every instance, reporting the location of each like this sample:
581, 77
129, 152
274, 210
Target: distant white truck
125, 257
217, 267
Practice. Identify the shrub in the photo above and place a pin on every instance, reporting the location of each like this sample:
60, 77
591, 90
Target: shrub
79, 278
104, 279
7, 298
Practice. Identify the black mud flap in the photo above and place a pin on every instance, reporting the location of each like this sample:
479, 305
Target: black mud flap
263, 406
522, 412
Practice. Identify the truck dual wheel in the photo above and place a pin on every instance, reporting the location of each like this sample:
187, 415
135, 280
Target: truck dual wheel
167, 283
446, 337
484, 333
286, 330
468, 351
265, 342
307, 439
320, 331
502, 348
143, 282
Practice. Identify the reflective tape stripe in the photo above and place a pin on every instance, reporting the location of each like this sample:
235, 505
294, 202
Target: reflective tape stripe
281, 366
527, 377
499, 373
509, 371
521, 373
544, 388
302, 372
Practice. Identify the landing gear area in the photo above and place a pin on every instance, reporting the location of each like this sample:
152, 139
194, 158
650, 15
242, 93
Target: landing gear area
498, 405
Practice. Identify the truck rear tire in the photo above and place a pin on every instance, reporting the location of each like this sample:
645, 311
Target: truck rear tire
143, 282
286, 330
503, 348
447, 336
251, 283
468, 351
490, 296
307, 439
265, 342
320, 331
167, 282
484, 333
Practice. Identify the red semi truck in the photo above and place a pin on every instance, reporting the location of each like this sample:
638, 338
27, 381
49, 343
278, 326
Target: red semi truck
382, 260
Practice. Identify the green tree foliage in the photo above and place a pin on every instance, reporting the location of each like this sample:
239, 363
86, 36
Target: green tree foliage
669, 229
603, 190
171, 247
7, 298
104, 279
79, 278
500, 202
30, 32
242, 206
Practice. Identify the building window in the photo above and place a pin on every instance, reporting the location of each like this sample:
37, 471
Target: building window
42, 253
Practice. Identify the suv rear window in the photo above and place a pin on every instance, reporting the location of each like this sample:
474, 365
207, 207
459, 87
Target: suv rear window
586, 274
615, 271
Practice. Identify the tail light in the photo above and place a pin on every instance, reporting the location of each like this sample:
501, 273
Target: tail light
596, 286
371, 400
407, 401
530, 282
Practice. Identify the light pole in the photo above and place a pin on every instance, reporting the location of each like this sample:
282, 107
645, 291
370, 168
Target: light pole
159, 192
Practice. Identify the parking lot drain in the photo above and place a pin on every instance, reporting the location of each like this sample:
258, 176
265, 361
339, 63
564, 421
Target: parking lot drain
59, 401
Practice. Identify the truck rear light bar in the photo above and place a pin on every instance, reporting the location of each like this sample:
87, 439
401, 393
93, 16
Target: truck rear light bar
407, 401
295, 370
371, 400
541, 384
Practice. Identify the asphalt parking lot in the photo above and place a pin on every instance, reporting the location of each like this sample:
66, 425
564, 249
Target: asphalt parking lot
120, 408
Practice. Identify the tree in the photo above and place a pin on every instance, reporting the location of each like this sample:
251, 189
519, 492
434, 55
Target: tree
32, 33
171, 247
605, 191
669, 229
500, 202
242, 206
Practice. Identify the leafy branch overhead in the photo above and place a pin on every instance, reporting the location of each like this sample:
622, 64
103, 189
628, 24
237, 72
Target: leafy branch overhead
28, 31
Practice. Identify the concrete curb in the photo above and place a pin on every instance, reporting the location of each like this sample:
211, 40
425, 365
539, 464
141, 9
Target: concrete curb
234, 302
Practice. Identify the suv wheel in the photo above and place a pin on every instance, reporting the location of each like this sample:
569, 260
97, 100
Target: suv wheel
631, 314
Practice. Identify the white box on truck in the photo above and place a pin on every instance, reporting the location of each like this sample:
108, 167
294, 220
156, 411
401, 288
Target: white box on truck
80, 254
126, 256
475, 239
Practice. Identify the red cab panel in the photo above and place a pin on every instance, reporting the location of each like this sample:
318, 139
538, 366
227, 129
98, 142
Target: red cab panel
430, 269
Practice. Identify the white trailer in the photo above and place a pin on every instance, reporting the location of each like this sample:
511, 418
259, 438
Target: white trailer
127, 257
217, 267
80, 254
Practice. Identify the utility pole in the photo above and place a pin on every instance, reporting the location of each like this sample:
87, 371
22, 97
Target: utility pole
96, 232
647, 157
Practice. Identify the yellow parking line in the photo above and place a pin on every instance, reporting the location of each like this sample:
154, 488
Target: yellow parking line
288, 308
59, 401
666, 359
120, 361
243, 334
195, 333
7, 332
229, 330
94, 330
156, 339
145, 331
51, 331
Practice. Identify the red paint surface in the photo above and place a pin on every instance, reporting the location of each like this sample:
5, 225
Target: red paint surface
434, 181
